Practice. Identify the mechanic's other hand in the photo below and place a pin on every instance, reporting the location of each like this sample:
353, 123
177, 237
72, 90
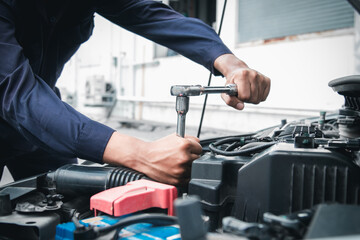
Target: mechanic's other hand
252, 86
167, 160
170, 158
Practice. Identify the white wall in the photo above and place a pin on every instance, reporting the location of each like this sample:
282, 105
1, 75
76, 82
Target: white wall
300, 68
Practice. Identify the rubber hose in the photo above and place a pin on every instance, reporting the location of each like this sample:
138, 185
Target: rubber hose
74, 179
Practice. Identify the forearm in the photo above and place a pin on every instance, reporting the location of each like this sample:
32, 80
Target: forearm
124, 150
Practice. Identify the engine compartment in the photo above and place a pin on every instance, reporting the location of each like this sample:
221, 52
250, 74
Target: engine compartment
271, 184
299, 168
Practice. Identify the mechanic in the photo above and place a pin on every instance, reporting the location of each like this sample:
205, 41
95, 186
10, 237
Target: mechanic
39, 132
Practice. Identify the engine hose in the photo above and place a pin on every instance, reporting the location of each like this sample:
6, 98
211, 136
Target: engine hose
241, 140
121, 176
241, 152
232, 146
74, 179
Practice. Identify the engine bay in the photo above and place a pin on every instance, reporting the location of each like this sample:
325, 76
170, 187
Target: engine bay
297, 180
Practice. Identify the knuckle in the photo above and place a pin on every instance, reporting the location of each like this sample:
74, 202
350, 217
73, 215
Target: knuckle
253, 75
266, 81
177, 172
183, 158
246, 96
174, 181
244, 73
185, 144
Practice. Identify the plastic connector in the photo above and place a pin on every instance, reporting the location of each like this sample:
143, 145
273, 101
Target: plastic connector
133, 197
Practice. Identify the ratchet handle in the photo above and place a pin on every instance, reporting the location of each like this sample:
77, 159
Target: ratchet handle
197, 90
229, 89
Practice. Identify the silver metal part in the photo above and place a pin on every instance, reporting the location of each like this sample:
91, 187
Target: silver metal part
182, 107
186, 90
183, 92
197, 90
229, 89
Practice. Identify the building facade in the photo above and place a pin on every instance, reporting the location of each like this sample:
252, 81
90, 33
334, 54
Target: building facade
300, 45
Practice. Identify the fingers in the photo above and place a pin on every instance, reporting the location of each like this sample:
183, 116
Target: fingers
192, 151
169, 159
170, 179
193, 138
176, 176
241, 79
252, 86
266, 89
233, 101
194, 146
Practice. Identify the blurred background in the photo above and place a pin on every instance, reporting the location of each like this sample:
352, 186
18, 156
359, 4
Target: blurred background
300, 45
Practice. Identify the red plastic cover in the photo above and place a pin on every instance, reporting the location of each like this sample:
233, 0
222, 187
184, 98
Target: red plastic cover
134, 196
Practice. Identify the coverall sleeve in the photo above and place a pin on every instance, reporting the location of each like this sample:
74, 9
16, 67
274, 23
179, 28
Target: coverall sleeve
156, 21
31, 107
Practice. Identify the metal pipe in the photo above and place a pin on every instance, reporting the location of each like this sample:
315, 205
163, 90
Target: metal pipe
182, 107
228, 89
180, 129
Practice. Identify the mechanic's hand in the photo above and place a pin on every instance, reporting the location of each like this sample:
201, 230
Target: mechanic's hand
170, 158
252, 86
167, 160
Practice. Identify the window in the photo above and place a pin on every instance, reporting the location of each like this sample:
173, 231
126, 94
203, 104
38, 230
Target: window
268, 19
202, 9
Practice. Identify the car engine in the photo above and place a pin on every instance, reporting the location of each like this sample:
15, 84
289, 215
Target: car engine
297, 180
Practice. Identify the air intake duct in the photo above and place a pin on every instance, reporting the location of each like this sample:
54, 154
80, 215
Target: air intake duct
349, 114
74, 179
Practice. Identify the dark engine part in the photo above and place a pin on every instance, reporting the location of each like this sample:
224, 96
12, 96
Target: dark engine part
349, 114
334, 221
75, 179
285, 179
283, 169
281, 180
213, 179
258, 185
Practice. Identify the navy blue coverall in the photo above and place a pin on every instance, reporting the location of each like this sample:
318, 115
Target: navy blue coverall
38, 131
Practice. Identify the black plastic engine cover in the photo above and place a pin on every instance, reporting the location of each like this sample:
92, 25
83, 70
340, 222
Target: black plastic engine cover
285, 179
281, 180
213, 179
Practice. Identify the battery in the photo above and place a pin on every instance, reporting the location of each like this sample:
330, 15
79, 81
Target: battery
139, 231
146, 231
65, 231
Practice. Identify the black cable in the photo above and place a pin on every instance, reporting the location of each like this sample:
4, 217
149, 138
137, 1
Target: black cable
232, 146
155, 219
241, 152
95, 232
210, 75
77, 223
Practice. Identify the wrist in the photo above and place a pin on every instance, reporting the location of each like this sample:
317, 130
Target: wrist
227, 63
123, 150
